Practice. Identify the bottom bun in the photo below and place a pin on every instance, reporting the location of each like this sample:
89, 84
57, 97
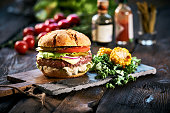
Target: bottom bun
58, 73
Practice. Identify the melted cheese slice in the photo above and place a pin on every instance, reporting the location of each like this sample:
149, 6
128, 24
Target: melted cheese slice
71, 61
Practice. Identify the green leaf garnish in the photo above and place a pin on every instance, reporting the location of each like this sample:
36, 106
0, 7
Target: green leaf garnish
105, 68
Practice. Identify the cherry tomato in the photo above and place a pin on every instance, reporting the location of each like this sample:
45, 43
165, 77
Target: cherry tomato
47, 29
59, 16
49, 21
73, 19
21, 47
53, 26
29, 39
63, 24
75, 49
28, 31
41, 34
40, 28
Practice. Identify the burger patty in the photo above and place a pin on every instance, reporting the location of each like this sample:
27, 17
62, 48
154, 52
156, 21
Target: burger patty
58, 63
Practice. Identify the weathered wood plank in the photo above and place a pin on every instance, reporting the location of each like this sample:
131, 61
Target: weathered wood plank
33, 76
5, 91
6, 103
84, 101
141, 97
31, 105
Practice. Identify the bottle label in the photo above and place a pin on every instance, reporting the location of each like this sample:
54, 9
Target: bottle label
130, 26
104, 33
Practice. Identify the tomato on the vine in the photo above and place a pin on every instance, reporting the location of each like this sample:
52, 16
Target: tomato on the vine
53, 26
73, 19
28, 31
59, 16
47, 29
49, 21
63, 24
41, 27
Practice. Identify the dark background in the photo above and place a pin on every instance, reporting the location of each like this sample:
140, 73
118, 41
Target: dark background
29, 19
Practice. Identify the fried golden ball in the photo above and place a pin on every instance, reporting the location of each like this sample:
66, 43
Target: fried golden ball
103, 51
120, 56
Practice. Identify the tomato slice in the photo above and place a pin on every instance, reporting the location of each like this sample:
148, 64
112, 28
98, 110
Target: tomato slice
75, 49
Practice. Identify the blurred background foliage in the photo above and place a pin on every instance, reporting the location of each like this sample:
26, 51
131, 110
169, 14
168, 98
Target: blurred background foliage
84, 8
47, 8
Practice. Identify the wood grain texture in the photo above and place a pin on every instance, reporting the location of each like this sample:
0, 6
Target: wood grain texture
5, 91
8, 102
33, 77
31, 105
142, 96
83, 101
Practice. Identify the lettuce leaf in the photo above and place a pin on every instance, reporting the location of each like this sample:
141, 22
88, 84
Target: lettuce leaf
54, 55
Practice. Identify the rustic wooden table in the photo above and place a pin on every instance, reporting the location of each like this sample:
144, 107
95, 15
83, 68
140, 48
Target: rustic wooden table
149, 94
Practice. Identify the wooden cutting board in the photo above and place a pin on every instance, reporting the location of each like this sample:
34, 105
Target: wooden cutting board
55, 86
25, 79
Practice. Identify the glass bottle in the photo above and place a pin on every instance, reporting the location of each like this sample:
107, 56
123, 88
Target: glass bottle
123, 23
102, 25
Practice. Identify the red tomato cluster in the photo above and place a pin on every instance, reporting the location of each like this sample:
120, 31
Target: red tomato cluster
58, 22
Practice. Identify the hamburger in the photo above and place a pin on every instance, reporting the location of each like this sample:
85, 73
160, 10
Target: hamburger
64, 54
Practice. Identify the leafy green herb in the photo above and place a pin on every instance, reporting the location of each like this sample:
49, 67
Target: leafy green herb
104, 68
